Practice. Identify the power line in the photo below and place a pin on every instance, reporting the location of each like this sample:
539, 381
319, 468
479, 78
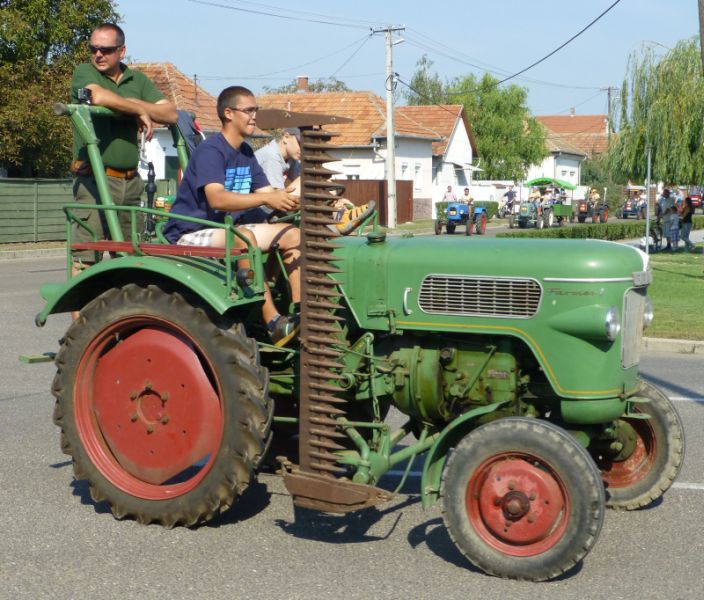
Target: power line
352, 55
280, 16
363, 39
560, 47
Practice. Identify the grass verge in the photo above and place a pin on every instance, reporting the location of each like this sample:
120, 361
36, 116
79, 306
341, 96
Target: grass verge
677, 291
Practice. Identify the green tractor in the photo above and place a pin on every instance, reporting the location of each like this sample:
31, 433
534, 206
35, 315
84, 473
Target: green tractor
170, 398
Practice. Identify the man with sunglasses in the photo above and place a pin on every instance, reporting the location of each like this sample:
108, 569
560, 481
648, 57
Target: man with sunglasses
224, 177
106, 81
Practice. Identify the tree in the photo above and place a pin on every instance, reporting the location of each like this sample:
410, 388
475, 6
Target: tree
330, 84
40, 43
509, 140
426, 87
661, 107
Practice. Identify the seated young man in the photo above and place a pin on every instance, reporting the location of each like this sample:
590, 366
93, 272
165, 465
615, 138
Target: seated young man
222, 177
280, 160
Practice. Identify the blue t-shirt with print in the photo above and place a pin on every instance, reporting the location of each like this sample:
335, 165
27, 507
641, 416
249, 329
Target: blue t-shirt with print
213, 161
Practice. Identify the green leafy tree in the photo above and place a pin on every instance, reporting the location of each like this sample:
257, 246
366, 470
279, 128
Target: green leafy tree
40, 43
661, 107
426, 87
329, 84
509, 140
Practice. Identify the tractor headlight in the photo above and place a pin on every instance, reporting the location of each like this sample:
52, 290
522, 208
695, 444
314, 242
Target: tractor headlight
648, 313
612, 324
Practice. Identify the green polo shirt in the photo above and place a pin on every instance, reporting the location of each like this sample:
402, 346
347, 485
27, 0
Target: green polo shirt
117, 137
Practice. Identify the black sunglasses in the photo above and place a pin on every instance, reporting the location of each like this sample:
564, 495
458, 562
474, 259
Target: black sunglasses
102, 49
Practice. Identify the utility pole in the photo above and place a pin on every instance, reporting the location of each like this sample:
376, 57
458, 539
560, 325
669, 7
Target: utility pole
390, 131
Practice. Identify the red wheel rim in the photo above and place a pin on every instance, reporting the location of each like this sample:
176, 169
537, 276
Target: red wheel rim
517, 504
146, 409
628, 472
482, 224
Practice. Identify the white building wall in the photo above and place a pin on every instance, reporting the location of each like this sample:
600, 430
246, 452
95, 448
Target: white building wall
156, 150
558, 166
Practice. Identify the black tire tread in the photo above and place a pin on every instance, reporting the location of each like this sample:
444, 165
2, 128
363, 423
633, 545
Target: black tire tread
244, 441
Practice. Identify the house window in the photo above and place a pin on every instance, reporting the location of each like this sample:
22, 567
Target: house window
417, 177
563, 172
352, 176
571, 173
404, 170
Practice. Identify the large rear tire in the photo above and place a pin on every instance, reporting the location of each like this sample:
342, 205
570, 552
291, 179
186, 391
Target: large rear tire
648, 471
522, 499
438, 227
165, 414
480, 226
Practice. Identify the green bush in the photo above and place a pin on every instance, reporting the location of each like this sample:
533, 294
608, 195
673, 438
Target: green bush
605, 231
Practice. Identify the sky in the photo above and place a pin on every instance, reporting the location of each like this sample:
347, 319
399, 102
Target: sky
233, 42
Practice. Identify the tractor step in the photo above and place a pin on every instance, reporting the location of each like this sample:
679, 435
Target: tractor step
327, 494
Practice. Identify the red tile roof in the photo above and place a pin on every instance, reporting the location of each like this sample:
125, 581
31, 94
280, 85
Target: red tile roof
367, 111
183, 92
586, 132
442, 119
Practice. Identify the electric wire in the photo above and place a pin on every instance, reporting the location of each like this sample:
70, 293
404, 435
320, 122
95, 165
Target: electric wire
322, 21
352, 55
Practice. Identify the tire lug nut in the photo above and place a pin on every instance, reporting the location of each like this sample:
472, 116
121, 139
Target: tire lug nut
133, 417
133, 395
148, 385
150, 428
511, 485
164, 397
164, 420
531, 519
532, 496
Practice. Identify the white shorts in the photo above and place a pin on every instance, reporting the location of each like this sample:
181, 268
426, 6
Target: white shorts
202, 237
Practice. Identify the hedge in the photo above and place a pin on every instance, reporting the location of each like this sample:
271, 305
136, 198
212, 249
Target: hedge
605, 231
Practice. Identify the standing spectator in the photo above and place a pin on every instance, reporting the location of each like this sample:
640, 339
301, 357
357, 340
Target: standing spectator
666, 206
510, 196
112, 85
449, 195
687, 212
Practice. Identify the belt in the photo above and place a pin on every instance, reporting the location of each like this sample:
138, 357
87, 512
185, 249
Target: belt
82, 167
121, 173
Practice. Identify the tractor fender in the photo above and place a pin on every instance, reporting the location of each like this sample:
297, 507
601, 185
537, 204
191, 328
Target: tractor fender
437, 455
193, 276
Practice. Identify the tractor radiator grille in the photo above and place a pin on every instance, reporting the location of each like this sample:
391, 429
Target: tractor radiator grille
481, 296
632, 332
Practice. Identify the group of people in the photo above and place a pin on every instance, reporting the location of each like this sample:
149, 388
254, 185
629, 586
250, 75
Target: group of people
674, 217
224, 175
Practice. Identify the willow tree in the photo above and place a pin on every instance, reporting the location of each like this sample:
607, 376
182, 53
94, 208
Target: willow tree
662, 107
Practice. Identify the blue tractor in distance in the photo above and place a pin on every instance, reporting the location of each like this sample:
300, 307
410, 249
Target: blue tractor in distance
461, 213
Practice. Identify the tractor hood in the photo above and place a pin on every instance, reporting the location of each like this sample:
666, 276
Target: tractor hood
380, 273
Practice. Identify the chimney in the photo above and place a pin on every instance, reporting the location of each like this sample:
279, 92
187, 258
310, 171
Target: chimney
572, 112
302, 84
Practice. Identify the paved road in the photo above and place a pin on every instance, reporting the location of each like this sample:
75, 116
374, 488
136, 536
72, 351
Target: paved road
56, 543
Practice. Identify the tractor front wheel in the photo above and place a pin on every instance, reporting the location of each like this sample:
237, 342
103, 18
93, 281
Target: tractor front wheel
480, 226
450, 228
438, 227
652, 456
165, 414
522, 499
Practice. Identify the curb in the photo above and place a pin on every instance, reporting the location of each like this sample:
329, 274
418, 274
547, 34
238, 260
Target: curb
40, 252
674, 346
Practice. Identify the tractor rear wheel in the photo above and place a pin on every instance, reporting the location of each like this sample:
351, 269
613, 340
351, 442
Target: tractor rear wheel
656, 456
604, 216
522, 499
438, 227
480, 226
164, 413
